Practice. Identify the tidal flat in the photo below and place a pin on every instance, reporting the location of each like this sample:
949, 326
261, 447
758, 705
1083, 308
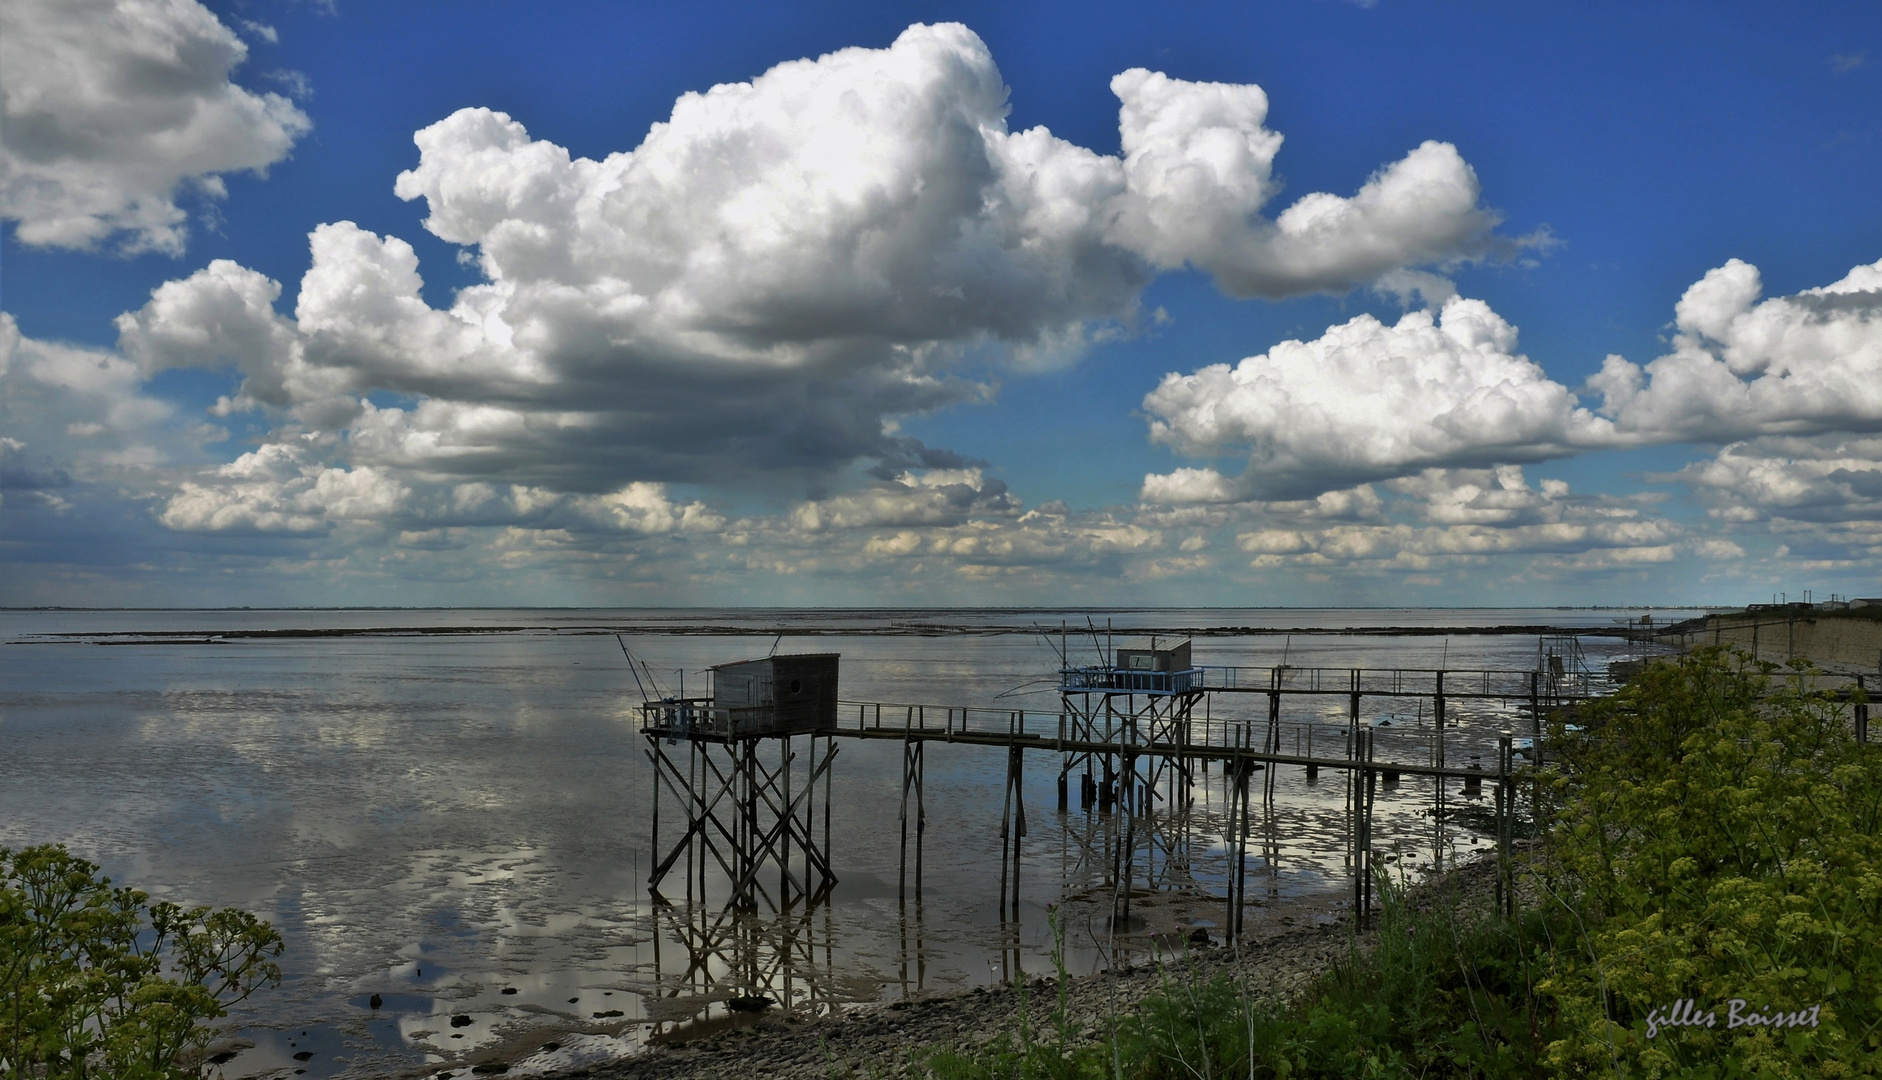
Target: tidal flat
449, 809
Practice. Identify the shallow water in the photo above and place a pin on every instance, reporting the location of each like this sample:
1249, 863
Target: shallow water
439, 817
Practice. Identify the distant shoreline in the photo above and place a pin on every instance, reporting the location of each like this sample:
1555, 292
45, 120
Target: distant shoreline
918, 609
204, 637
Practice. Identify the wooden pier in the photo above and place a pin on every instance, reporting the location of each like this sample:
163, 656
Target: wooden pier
751, 770
1134, 730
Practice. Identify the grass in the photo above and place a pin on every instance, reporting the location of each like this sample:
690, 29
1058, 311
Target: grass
1442, 991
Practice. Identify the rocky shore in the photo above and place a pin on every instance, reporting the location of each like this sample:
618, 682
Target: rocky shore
885, 1040
878, 1040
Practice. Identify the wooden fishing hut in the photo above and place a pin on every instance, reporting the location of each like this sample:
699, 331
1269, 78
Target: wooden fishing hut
749, 808
1137, 702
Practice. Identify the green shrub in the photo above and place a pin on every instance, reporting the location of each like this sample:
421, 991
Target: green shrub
1443, 991
96, 981
1721, 838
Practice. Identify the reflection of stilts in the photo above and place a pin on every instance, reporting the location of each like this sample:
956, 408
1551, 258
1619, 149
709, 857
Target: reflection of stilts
1270, 838
1505, 827
1012, 828
727, 953
918, 949
1365, 790
1238, 772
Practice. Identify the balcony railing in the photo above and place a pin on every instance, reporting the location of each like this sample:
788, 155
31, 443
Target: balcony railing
1125, 680
699, 718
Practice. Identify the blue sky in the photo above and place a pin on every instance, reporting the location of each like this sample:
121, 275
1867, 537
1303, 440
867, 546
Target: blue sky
937, 311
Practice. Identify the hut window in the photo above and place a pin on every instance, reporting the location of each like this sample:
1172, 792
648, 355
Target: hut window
796, 685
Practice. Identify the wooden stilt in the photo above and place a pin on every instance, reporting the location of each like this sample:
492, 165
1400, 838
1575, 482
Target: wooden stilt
1862, 710
1505, 794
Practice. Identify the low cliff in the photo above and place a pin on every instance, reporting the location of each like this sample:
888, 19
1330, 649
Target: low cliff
1848, 640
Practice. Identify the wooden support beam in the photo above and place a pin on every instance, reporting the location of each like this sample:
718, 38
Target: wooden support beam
1505, 796
1862, 710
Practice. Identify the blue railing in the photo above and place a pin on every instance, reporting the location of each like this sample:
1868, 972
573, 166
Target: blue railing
1125, 680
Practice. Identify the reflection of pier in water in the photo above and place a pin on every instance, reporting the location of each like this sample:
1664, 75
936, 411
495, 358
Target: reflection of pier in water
724, 957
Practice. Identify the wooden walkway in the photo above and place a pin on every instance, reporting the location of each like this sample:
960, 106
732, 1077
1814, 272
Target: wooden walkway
1135, 739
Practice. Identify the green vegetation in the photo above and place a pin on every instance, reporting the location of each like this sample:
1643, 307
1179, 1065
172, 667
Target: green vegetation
96, 981
1720, 837
1443, 993
1716, 834
1872, 612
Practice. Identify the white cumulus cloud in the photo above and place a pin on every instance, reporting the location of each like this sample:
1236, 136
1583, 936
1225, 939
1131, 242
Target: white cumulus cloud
114, 107
1743, 367
1446, 388
777, 271
931, 497
1824, 479
83, 411
1463, 517
283, 488
297, 487
1366, 401
1199, 168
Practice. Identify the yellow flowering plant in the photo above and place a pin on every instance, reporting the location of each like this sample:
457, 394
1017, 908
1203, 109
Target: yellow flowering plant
1717, 857
97, 981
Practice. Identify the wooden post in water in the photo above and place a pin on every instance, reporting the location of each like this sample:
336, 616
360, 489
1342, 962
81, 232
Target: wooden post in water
1019, 809
1372, 783
784, 828
693, 785
1012, 827
1272, 743
1535, 704
1126, 782
1437, 714
1228, 876
1238, 771
901, 889
921, 817
1505, 892
653, 845
1006, 830
810, 810
1862, 711
829, 777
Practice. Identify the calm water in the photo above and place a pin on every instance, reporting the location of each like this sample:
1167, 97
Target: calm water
438, 817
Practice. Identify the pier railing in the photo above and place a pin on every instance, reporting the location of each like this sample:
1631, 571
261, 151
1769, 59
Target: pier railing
1397, 738
686, 718
1411, 682
1128, 681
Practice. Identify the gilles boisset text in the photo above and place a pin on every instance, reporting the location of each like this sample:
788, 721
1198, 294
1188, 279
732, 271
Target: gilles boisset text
1685, 1013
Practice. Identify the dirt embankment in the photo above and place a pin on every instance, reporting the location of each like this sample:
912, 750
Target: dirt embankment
1842, 642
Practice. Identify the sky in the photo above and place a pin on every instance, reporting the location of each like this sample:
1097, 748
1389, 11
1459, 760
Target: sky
1301, 303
